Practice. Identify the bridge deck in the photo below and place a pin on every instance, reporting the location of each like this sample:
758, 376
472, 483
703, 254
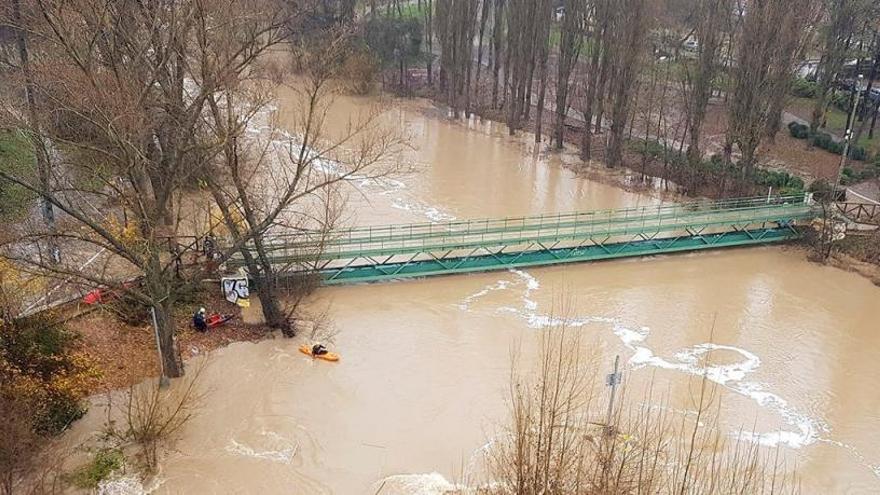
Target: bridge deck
393, 251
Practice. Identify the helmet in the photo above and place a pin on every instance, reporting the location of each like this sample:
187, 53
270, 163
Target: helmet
201, 310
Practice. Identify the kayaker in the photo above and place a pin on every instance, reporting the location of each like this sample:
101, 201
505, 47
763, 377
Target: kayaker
319, 350
199, 321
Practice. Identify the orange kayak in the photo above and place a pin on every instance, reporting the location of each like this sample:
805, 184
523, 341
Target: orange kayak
307, 349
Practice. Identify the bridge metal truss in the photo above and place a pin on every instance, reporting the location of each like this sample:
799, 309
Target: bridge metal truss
369, 254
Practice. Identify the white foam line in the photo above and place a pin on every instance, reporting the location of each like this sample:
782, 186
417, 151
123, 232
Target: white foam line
419, 484
730, 376
432, 213
499, 285
259, 125
283, 456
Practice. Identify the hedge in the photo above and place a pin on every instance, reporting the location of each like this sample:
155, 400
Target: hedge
826, 142
804, 88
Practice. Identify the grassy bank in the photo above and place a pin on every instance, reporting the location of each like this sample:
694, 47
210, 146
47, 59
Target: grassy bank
16, 158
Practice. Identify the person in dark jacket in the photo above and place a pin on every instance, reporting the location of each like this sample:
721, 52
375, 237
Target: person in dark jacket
199, 321
318, 350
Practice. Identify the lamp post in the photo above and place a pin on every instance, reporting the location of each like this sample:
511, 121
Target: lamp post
847, 137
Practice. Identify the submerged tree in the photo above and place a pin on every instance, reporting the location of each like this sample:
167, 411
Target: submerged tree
280, 187
455, 25
630, 25
396, 42
570, 43
561, 436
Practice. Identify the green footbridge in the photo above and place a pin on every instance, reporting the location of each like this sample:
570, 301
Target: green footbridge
369, 254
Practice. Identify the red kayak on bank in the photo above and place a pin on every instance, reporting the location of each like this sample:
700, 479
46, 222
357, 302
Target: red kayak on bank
216, 319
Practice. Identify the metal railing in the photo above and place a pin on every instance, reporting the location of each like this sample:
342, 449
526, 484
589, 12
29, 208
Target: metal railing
406, 238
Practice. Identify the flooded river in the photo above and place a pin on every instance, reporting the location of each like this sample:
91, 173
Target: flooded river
421, 386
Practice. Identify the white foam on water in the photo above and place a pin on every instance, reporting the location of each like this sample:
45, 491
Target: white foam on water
416, 484
731, 376
432, 213
283, 456
128, 485
121, 486
283, 142
499, 285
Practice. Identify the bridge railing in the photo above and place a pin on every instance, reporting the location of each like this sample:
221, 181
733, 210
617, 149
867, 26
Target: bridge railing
860, 212
383, 240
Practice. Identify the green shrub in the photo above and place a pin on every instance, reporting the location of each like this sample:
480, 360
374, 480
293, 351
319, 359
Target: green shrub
35, 344
781, 181
858, 153
798, 131
16, 158
822, 140
841, 100
804, 88
60, 409
835, 147
868, 173
105, 462
826, 142
44, 372
656, 151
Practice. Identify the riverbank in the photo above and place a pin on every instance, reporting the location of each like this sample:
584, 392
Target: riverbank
859, 254
437, 351
125, 354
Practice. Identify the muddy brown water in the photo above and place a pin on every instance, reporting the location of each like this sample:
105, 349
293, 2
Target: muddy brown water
420, 390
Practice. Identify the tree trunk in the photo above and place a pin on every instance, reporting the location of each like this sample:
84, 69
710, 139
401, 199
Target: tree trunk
41, 157
163, 309
429, 40
587, 136
267, 291
543, 38
484, 15
600, 94
497, 23
872, 106
569, 50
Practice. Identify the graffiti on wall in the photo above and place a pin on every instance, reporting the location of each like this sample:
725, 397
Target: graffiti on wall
236, 291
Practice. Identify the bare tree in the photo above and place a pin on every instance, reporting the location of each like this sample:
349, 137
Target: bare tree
150, 417
125, 86
19, 444
497, 46
41, 153
545, 9
632, 21
269, 194
840, 16
484, 17
570, 42
557, 438
773, 36
711, 17
455, 24
595, 83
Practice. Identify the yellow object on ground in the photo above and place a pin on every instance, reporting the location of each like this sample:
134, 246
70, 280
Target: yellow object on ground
330, 356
